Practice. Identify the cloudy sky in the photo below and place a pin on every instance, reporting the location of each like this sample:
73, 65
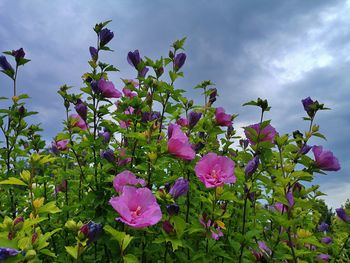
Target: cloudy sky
279, 50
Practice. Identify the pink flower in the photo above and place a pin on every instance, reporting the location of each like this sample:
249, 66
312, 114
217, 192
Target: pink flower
214, 170
126, 178
183, 122
128, 93
124, 124
268, 133
62, 145
137, 207
222, 118
178, 144
123, 159
325, 160
108, 90
78, 121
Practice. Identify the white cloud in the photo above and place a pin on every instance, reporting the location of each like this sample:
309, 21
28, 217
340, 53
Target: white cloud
337, 194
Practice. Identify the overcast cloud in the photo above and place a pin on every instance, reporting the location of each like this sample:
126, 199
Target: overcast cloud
280, 50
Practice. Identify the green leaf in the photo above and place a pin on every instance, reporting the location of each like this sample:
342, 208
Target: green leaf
126, 241
129, 258
50, 208
48, 253
13, 181
180, 225
73, 251
117, 235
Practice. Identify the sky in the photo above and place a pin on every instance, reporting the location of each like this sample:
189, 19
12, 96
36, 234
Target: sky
282, 51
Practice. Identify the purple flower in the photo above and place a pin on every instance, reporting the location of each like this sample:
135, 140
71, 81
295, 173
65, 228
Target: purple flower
327, 240
106, 135
341, 213
305, 149
78, 122
324, 257
307, 103
134, 58
95, 230
106, 35
183, 122
81, 109
172, 209
137, 207
107, 89
6, 252
94, 86
150, 116
126, 178
143, 72
18, 54
325, 160
290, 199
222, 119
5, 65
323, 227
268, 133
178, 143
193, 118
264, 248
179, 188
93, 53
179, 60
252, 166
109, 156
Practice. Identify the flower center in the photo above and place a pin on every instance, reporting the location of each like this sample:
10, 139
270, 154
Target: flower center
137, 212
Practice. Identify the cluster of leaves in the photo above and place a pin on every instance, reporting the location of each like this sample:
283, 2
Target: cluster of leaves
54, 201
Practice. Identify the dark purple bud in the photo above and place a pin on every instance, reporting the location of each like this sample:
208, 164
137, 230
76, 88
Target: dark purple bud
5, 65
109, 156
54, 148
244, 143
34, 237
95, 231
230, 130
106, 135
341, 213
323, 227
252, 196
193, 118
290, 199
143, 72
201, 135
305, 149
179, 60
6, 252
251, 167
106, 35
212, 95
168, 227
93, 53
21, 110
81, 109
18, 54
85, 229
62, 187
198, 146
179, 188
159, 72
150, 116
172, 209
94, 86
307, 103
297, 187
167, 187
327, 240
18, 220
134, 58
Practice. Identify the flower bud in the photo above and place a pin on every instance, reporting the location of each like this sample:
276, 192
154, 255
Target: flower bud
172, 209
193, 118
18, 54
31, 254
106, 35
179, 188
81, 109
93, 53
252, 166
168, 227
179, 60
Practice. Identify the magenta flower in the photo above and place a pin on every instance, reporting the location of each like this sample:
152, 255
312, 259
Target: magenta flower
325, 160
108, 90
78, 121
214, 170
126, 178
279, 207
264, 248
183, 122
128, 93
178, 144
268, 133
61, 145
222, 119
290, 199
137, 207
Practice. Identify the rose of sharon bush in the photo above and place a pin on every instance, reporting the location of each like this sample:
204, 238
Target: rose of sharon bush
268, 133
126, 178
178, 144
214, 170
137, 207
325, 160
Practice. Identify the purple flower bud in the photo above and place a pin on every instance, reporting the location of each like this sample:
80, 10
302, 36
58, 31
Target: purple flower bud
198, 146
305, 149
325, 160
94, 86
18, 54
324, 257
54, 148
243, 143
134, 58
81, 109
5, 65
290, 199
95, 231
341, 213
172, 209
84, 229
183, 122
93, 53
323, 227
143, 72
212, 95
106, 135
6, 252
18, 220
168, 227
251, 167
34, 237
109, 156
21, 110
193, 118
327, 240
106, 35
307, 103
179, 188
150, 116
179, 60
62, 187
